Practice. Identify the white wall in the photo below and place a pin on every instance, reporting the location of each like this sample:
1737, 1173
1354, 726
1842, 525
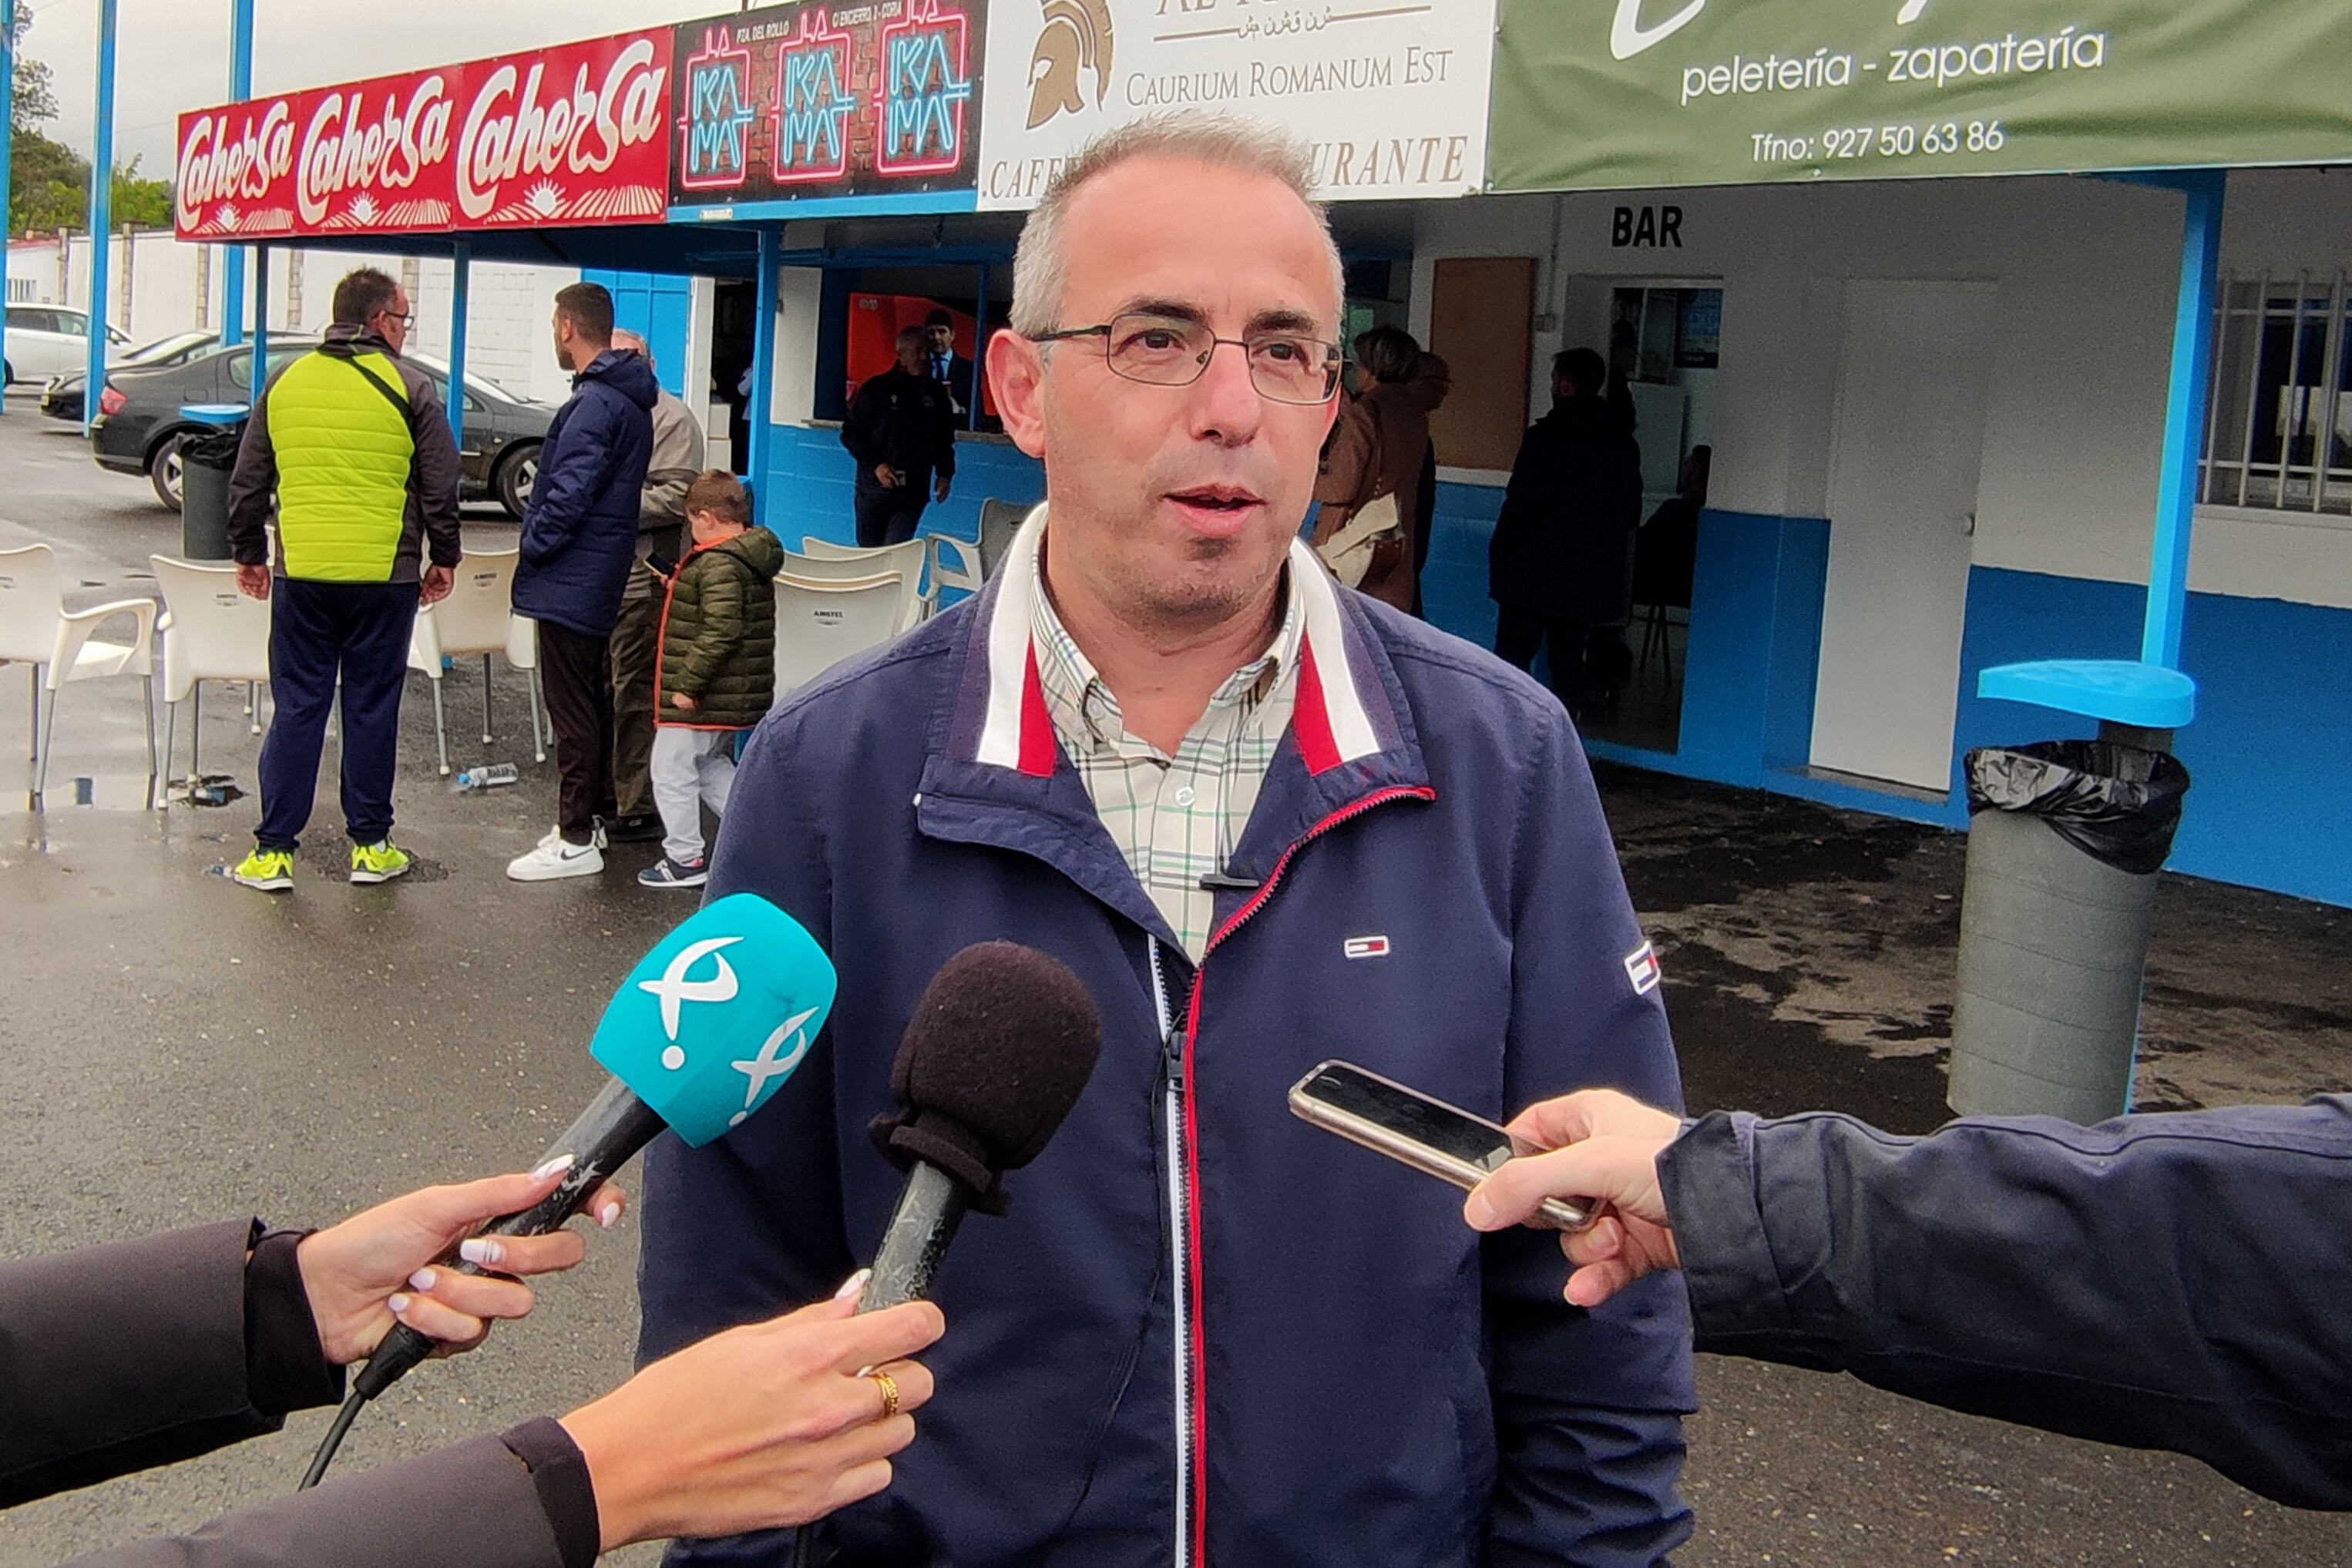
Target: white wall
2087, 273
176, 286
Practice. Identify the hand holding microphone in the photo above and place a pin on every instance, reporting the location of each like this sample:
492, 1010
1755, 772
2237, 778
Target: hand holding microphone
372, 1273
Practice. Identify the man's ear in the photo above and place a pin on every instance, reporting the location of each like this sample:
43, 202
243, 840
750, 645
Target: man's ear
1016, 374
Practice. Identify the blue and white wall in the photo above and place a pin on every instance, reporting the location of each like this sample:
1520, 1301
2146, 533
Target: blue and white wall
2084, 274
2084, 277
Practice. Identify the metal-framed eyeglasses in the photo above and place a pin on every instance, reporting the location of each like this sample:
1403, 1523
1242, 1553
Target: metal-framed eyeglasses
1170, 352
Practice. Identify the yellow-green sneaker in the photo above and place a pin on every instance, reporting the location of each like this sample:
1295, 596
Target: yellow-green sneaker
378, 863
271, 871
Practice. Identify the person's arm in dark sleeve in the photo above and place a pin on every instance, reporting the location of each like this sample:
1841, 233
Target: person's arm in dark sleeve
2164, 1281
943, 442
857, 432
569, 483
252, 483
519, 1501
437, 468
1587, 1405
137, 1353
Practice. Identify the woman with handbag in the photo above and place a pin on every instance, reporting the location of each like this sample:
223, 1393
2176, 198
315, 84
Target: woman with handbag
1371, 472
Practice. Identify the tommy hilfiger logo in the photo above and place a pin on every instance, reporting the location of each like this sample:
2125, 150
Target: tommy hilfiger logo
1365, 948
1641, 969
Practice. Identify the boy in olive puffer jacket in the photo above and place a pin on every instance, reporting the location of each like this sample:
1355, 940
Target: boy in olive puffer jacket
716, 673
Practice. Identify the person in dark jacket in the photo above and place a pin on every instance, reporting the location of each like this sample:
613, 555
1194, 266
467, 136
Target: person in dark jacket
678, 457
579, 545
943, 364
1561, 562
716, 672
1430, 388
353, 443
126, 1356
1266, 822
901, 431
2170, 1281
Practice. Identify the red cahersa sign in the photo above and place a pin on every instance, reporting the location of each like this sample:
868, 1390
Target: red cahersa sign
571, 135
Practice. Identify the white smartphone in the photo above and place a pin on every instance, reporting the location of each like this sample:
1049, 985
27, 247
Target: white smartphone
1407, 1125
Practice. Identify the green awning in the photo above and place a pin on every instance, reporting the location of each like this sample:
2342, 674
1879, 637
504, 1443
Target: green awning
1620, 94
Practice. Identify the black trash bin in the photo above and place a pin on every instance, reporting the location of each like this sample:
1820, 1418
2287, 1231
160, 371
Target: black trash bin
206, 457
2065, 839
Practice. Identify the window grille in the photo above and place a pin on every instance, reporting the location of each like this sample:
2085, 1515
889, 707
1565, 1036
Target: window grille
2278, 430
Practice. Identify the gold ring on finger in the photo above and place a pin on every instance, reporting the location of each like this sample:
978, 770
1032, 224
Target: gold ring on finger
889, 1387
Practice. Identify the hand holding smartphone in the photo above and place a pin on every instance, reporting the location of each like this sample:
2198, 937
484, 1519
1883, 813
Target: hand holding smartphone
1409, 1126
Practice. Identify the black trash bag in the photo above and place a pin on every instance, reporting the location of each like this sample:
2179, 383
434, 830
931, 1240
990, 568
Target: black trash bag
214, 449
2117, 804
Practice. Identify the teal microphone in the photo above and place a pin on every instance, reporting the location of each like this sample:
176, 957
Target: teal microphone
702, 1033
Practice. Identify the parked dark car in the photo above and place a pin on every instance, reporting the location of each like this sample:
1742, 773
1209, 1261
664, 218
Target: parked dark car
138, 426
62, 398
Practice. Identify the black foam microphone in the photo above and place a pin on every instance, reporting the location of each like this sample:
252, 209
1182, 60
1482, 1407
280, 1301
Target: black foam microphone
1000, 1046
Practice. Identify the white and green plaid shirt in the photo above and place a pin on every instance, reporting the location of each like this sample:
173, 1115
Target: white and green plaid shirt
1176, 818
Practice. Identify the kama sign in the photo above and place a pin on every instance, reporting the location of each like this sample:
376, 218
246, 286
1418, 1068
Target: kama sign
1617, 94
571, 135
1391, 93
876, 99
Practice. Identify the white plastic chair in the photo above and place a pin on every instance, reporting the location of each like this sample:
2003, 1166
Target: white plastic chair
477, 618
955, 563
211, 632
819, 623
64, 649
999, 521
904, 562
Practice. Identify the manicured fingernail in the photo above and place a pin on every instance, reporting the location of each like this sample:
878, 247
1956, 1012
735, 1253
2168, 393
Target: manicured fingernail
481, 1249
607, 1215
421, 1280
560, 1163
855, 1287
398, 1304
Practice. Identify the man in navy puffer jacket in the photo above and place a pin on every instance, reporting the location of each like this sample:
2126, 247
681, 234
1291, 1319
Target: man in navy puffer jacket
579, 541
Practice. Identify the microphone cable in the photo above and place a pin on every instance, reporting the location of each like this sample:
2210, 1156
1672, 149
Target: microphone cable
333, 1439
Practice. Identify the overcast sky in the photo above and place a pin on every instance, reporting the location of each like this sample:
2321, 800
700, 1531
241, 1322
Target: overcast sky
173, 54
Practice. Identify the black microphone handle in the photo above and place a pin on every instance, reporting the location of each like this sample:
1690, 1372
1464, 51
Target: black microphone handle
607, 1135
925, 1221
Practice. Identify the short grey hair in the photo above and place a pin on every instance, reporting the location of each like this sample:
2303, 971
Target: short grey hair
1199, 136
630, 343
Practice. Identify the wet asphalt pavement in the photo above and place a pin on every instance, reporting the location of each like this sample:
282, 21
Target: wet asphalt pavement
178, 1049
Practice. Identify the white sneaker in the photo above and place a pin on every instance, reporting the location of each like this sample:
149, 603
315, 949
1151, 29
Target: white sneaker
554, 859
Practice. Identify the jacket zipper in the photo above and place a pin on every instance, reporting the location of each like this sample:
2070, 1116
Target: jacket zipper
1171, 1081
1184, 1187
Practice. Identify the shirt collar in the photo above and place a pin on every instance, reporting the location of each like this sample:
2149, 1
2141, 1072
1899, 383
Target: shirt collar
1082, 703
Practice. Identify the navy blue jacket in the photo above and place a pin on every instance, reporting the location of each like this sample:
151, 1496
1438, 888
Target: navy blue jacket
1207, 1332
2169, 1282
580, 531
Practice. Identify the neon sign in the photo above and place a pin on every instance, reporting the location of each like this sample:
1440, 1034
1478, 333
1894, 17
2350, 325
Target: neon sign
715, 132
926, 86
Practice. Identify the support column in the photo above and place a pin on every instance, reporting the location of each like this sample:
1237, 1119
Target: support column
461, 258
101, 213
979, 350
759, 413
240, 88
2184, 418
8, 120
260, 321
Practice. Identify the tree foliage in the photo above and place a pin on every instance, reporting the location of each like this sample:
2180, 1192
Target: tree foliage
49, 188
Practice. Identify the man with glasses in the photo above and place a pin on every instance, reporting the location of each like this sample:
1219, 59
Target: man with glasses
352, 442
1269, 821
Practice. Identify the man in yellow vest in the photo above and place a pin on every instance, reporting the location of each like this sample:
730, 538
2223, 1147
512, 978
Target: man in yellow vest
353, 442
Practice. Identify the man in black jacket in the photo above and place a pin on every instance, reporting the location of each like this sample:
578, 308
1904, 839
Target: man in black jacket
901, 430
2164, 1281
1561, 562
122, 1357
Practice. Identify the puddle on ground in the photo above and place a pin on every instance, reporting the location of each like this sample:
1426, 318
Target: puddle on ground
103, 792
